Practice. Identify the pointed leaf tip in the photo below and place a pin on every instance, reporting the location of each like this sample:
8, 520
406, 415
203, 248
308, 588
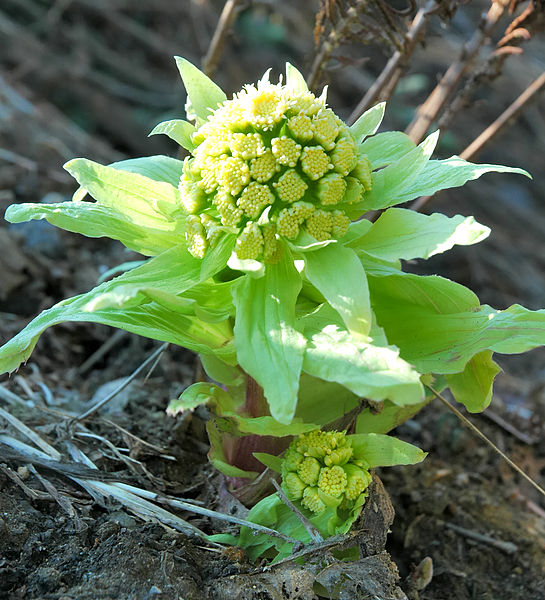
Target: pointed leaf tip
429, 144
295, 79
203, 93
368, 123
178, 130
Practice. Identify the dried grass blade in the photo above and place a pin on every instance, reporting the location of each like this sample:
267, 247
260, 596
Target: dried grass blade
30, 434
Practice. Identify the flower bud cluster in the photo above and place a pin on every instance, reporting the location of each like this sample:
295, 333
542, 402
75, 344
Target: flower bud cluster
266, 164
319, 470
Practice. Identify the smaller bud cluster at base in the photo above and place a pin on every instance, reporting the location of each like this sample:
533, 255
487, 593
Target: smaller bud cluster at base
319, 469
267, 164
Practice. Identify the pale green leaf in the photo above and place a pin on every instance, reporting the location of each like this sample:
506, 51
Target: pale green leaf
195, 395
200, 393
295, 80
443, 174
373, 372
368, 123
439, 326
473, 386
220, 371
338, 274
158, 168
217, 257
178, 130
269, 426
251, 267
406, 234
356, 230
391, 183
272, 512
130, 295
304, 242
118, 269
315, 405
386, 417
96, 220
204, 94
143, 199
141, 212
385, 451
149, 320
385, 148
269, 460
268, 345
392, 289
171, 273
206, 308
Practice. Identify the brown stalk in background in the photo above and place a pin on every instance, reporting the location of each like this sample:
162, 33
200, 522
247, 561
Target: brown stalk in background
428, 111
447, 99
228, 15
386, 82
361, 21
519, 31
505, 120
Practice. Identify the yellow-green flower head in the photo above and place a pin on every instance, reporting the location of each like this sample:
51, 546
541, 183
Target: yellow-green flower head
319, 467
268, 163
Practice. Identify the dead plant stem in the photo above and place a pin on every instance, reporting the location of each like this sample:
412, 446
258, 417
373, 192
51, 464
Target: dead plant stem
386, 82
508, 117
123, 385
227, 18
428, 111
328, 45
311, 530
476, 430
505, 120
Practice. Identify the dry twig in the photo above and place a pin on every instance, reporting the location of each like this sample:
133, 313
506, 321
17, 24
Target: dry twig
225, 23
507, 547
505, 120
476, 430
123, 385
311, 530
387, 81
429, 110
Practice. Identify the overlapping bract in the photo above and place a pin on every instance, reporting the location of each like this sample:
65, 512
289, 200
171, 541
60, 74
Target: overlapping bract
321, 470
267, 163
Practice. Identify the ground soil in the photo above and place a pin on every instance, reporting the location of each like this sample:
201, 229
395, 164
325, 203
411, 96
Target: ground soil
481, 524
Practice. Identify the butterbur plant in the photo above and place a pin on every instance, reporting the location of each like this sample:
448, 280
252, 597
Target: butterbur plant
306, 324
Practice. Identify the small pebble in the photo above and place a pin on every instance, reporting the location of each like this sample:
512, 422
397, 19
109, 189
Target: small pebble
23, 473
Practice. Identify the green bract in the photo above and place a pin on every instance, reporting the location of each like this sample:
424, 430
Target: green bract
298, 308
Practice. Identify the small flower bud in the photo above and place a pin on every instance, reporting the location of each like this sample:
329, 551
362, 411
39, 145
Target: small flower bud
250, 242
319, 469
309, 470
332, 480
312, 500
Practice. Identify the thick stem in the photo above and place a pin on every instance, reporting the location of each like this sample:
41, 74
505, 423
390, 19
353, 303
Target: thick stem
255, 404
242, 448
